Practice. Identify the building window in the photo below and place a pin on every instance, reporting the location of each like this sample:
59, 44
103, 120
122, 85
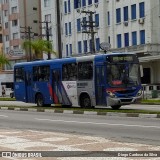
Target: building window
119, 41
6, 25
109, 39
108, 16
142, 37
85, 46
46, 3
78, 25
84, 23
133, 11
69, 6
15, 35
7, 37
14, 22
126, 39
77, 4
97, 20
97, 44
5, 12
48, 17
70, 47
66, 29
134, 38
141, 10
1, 38
118, 15
70, 28
89, 2
14, 9
125, 9
65, 7
67, 50
79, 47
83, 3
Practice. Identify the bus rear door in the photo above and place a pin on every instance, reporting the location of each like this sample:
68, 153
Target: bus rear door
29, 91
100, 85
59, 93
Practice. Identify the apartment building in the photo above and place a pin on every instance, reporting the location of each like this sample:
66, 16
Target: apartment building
128, 25
134, 26
19, 18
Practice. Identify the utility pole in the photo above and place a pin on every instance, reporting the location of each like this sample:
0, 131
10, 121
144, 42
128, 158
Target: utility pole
28, 33
91, 31
59, 29
47, 35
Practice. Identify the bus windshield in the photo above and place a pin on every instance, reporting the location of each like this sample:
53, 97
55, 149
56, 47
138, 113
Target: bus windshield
123, 74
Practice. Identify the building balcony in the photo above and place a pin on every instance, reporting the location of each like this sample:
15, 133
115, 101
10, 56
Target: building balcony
15, 42
14, 16
141, 50
6, 32
5, 6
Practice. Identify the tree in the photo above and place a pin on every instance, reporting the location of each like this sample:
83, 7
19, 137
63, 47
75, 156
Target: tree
3, 60
38, 46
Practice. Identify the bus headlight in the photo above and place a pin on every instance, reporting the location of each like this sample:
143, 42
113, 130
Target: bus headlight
139, 93
112, 95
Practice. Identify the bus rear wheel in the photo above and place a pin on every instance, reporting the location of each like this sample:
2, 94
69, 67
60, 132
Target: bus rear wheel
39, 100
116, 107
85, 101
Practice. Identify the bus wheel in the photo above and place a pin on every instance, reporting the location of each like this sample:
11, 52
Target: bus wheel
39, 100
85, 101
116, 107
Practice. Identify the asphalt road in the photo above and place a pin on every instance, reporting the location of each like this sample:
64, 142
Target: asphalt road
124, 129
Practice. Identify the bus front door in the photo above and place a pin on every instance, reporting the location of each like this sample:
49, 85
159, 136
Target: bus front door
100, 85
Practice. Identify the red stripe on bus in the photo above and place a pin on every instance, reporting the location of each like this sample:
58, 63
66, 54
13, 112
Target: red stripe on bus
53, 94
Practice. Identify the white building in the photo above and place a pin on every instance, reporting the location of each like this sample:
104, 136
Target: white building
129, 26
134, 26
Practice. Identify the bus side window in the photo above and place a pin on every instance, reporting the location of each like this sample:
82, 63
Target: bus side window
19, 74
69, 72
85, 70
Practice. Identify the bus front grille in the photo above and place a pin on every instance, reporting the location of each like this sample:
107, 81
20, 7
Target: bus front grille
126, 100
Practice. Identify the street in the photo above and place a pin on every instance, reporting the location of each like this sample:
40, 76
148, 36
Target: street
124, 129
49, 131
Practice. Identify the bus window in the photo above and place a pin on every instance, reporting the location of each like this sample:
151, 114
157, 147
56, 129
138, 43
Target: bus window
41, 73
85, 70
69, 72
19, 74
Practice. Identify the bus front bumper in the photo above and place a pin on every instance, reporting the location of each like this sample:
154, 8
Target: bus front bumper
122, 101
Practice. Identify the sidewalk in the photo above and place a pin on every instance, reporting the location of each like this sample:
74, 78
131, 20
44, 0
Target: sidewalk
30, 140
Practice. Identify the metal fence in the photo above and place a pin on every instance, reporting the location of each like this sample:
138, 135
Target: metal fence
150, 91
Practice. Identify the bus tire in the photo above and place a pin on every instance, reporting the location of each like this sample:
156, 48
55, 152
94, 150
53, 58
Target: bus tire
85, 101
39, 100
116, 107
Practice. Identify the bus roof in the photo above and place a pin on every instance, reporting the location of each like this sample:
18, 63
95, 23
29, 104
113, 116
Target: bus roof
70, 59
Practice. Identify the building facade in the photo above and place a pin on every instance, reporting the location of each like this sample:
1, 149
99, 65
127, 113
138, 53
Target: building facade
17, 17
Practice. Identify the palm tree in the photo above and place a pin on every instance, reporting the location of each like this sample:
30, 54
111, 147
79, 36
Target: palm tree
3, 60
38, 46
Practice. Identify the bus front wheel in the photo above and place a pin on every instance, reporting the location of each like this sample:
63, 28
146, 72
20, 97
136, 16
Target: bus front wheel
116, 107
39, 100
85, 101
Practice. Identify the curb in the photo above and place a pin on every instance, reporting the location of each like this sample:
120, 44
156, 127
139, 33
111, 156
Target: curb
140, 115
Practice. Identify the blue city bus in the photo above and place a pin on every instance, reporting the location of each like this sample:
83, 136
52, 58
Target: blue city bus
111, 79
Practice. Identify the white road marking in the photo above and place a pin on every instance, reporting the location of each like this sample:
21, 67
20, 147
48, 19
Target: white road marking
109, 124
3, 116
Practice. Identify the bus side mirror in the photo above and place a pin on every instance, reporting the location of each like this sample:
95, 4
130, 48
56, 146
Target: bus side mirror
141, 70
